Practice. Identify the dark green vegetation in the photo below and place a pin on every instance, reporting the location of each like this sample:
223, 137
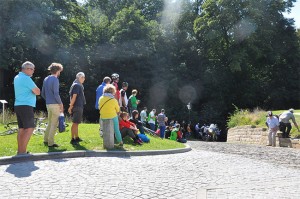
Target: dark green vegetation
212, 54
91, 141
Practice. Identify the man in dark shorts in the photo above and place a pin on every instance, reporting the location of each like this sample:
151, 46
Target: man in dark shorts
77, 101
25, 100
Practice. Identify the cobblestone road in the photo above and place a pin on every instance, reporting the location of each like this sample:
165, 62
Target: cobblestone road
210, 170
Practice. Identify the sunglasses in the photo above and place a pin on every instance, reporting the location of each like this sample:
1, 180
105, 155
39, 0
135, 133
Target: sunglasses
30, 68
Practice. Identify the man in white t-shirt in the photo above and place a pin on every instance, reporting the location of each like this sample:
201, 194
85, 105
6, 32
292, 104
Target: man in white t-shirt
123, 101
144, 116
273, 125
151, 119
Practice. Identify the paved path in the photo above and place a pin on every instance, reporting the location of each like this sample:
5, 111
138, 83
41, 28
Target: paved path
210, 170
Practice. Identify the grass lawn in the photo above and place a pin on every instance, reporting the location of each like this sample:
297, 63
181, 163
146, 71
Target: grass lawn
91, 141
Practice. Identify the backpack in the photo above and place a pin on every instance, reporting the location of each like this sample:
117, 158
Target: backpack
144, 137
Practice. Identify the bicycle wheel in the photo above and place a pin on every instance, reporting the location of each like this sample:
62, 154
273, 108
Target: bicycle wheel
39, 131
9, 132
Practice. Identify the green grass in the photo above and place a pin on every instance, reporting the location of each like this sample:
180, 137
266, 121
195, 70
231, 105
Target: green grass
257, 117
91, 141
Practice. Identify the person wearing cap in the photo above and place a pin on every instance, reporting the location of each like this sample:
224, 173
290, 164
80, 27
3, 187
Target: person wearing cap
25, 100
50, 92
285, 125
123, 101
77, 102
273, 125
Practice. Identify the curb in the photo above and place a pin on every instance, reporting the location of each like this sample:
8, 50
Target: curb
87, 153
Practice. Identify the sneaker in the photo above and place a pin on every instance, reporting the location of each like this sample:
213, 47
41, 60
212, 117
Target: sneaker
54, 145
73, 142
26, 153
139, 142
78, 139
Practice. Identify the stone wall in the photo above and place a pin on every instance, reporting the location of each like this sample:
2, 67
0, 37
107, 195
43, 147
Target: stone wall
259, 136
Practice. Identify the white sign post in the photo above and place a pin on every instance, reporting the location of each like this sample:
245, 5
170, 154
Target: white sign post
3, 109
189, 106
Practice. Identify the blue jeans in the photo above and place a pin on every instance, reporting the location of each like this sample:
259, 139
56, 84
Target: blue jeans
162, 131
152, 126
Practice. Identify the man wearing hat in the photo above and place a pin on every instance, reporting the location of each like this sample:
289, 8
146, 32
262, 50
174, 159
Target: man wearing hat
285, 125
273, 125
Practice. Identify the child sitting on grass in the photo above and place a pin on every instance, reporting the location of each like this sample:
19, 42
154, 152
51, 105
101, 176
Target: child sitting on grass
128, 128
177, 135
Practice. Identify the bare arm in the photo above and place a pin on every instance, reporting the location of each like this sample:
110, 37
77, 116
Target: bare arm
36, 91
73, 99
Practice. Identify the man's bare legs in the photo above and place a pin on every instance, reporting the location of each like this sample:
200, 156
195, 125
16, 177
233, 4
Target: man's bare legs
23, 139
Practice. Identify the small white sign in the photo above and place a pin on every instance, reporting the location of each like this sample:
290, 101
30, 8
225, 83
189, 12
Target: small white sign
3, 101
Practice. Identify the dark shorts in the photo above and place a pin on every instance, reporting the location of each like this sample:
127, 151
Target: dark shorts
25, 116
77, 113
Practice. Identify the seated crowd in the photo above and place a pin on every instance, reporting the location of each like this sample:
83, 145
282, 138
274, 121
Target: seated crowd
114, 104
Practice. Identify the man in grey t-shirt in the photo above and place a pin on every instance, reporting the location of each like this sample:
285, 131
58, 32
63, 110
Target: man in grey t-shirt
161, 119
284, 123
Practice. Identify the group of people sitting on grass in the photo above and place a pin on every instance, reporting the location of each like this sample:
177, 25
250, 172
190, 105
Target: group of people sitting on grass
114, 105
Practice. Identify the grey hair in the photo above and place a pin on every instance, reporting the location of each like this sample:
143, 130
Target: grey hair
80, 74
27, 63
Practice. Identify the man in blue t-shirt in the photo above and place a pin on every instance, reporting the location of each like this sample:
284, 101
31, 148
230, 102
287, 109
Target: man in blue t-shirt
25, 100
77, 101
99, 91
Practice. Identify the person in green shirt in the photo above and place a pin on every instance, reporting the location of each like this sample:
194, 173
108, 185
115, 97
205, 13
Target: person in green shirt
174, 131
132, 101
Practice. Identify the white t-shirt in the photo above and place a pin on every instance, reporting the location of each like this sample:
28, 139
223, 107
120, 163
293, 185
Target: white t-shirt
143, 116
125, 98
151, 118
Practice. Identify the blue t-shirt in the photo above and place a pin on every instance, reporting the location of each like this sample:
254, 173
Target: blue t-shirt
23, 86
50, 90
77, 89
99, 92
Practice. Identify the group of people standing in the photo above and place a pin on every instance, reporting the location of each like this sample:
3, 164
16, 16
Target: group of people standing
25, 101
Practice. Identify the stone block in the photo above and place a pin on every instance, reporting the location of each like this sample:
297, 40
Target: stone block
108, 134
285, 142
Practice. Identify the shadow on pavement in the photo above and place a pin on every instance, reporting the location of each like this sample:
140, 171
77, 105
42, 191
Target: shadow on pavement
22, 170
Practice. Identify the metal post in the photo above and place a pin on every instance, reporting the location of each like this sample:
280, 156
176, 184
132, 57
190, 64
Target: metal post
3, 107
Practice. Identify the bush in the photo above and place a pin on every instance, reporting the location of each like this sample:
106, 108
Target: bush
246, 117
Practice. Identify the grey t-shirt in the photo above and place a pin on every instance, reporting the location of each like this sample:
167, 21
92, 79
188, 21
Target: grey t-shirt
161, 119
286, 116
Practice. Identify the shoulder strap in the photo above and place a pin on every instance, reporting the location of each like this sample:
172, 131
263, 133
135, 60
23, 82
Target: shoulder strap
104, 104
